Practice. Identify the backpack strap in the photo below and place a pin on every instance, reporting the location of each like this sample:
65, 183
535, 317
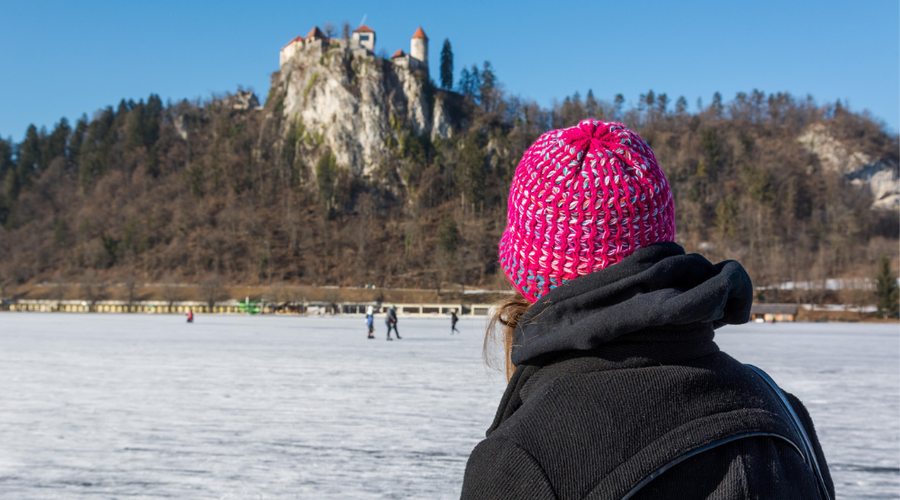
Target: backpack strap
804, 447
697, 451
809, 454
689, 440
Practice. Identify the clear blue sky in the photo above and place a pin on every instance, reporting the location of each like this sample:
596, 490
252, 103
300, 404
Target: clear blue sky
63, 58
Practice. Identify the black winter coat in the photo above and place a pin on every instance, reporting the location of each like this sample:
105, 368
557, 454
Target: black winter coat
617, 375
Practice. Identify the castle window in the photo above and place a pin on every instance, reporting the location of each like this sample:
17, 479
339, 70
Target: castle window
363, 38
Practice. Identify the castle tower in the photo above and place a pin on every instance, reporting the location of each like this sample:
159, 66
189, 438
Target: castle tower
418, 49
364, 36
315, 38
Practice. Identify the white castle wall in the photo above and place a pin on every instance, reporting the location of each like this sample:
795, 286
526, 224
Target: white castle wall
288, 51
369, 43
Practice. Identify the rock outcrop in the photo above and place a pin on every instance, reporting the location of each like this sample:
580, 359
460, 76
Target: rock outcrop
357, 104
881, 176
243, 100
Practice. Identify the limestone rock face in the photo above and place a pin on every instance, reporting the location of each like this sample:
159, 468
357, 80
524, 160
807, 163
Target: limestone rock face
441, 125
881, 176
244, 100
356, 103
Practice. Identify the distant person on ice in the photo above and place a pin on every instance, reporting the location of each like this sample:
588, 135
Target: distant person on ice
453, 319
391, 322
370, 321
190, 316
616, 387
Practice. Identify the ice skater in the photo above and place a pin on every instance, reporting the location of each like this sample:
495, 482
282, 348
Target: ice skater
370, 321
453, 319
190, 316
391, 321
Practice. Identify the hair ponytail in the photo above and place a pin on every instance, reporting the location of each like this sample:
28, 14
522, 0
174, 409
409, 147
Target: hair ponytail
500, 330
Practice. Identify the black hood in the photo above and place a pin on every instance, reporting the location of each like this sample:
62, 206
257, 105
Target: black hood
656, 286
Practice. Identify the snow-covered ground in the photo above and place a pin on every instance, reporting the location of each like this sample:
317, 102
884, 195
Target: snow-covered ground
146, 406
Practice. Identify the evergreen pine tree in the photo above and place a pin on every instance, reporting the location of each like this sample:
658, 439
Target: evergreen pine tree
475, 79
134, 126
486, 87
7, 174
12, 185
29, 156
619, 102
471, 169
566, 112
95, 148
465, 82
591, 107
152, 118
447, 65
662, 104
888, 293
448, 235
54, 145
577, 108
77, 138
6, 157
717, 107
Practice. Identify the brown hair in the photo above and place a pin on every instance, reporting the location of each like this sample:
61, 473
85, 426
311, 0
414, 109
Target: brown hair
507, 313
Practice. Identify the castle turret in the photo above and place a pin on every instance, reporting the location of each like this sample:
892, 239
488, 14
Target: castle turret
364, 36
418, 50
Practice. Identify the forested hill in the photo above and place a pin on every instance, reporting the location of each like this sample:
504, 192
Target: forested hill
193, 190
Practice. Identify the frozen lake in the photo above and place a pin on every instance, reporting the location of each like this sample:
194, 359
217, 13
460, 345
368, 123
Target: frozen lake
113, 406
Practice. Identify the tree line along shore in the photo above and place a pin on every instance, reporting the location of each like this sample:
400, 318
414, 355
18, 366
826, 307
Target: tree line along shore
176, 298
207, 192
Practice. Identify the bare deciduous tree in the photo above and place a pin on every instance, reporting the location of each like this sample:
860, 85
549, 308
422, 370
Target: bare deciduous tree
330, 30
59, 287
211, 290
130, 281
171, 291
7, 283
93, 288
331, 297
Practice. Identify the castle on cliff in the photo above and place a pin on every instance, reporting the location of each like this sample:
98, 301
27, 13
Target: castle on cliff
361, 43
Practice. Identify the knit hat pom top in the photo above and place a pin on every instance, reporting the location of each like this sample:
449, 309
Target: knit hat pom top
582, 199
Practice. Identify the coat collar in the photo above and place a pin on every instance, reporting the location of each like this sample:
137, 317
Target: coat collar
655, 287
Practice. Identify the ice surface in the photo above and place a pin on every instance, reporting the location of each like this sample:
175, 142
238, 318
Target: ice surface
145, 406
848, 377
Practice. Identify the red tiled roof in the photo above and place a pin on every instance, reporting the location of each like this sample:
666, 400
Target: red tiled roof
399, 53
364, 29
420, 34
316, 33
297, 39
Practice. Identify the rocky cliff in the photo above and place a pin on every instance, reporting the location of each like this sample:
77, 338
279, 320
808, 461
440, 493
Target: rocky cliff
880, 175
356, 104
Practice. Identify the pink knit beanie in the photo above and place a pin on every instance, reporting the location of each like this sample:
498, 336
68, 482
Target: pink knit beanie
582, 199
